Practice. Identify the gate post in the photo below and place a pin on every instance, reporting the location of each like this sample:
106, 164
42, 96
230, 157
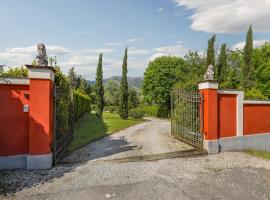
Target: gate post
40, 117
209, 91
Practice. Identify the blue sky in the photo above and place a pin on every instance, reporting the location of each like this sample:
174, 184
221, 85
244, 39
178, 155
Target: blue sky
76, 31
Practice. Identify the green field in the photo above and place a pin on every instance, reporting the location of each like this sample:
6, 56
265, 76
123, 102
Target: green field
90, 128
261, 154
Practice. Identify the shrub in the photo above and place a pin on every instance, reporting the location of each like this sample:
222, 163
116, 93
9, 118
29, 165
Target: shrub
254, 94
136, 113
111, 109
150, 110
82, 104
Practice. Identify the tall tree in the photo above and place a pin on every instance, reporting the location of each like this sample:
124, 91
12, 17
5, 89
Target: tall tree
248, 70
72, 78
222, 64
99, 88
211, 51
123, 104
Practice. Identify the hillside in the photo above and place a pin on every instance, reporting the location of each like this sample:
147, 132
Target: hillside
135, 82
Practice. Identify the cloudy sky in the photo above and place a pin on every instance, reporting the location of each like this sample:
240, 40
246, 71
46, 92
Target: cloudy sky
76, 31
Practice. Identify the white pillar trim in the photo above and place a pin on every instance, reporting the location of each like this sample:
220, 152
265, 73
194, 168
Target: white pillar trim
14, 81
208, 85
239, 109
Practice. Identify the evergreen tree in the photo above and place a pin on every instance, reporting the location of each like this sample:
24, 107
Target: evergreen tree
123, 105
99, 88
72, 78
222, 64
248, 70
211, 51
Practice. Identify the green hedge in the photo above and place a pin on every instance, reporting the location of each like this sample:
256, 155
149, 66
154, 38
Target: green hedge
150, 110
82, 104
154, 111
136, 113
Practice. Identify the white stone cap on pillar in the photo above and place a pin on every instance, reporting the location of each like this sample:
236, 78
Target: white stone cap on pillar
208, 85
41, 72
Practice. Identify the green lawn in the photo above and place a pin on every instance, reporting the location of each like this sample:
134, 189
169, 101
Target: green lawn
261, 154
90, 128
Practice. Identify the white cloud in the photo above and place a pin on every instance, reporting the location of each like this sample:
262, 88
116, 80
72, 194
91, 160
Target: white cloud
160, 9
228, 16
138, 52
256, 44
175, 50
135, 39
96, 51
112, 44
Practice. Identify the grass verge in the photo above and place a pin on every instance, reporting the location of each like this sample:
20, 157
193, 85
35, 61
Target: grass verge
261, 154
90, 128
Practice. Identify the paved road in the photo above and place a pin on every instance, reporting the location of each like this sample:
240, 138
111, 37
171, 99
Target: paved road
224, 176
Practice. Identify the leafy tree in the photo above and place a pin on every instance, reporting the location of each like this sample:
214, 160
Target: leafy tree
159, 78
72, 78
211, 51
222, 64
248, 68
133, 98
112, 91
254, 93
123, 105
99, 88
15, 72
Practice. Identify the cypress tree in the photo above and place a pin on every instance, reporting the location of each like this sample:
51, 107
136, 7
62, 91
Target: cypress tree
123, 104
99, 88
72, 78
248, 65
211, 51
222, 64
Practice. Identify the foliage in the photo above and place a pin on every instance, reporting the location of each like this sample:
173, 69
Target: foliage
248, 69
90, 128
222, 64
159, 78
210, 60
112, 109
82, 104
99, 88
254, 94
19, 72
136, 113
150, 110
72, 78
133, 98
123, 104
112, 92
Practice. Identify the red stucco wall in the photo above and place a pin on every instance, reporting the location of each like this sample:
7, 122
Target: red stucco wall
14, 123
227, 115
41, 116
256, 118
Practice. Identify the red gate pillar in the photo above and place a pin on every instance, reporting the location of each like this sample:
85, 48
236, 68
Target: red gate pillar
209, 91
40, 117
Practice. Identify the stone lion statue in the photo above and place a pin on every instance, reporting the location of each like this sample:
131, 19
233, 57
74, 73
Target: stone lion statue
209, 75
42, 55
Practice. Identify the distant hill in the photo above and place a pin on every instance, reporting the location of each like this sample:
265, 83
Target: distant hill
135, 82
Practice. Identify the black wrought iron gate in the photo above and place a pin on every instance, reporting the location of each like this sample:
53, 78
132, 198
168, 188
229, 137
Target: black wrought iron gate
63, 122
186, 112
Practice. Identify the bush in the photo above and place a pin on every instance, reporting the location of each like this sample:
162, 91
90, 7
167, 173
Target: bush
82, 104
136, 113
254, 94
111, 109
150, 110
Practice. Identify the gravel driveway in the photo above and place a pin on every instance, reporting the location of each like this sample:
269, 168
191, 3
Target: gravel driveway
232, 175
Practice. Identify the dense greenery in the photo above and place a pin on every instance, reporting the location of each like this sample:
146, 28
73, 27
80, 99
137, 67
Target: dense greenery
136, 113
99, 88
14, 72
123, 104
81, 104
159, 78
150, 110
222, 64
90, 128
